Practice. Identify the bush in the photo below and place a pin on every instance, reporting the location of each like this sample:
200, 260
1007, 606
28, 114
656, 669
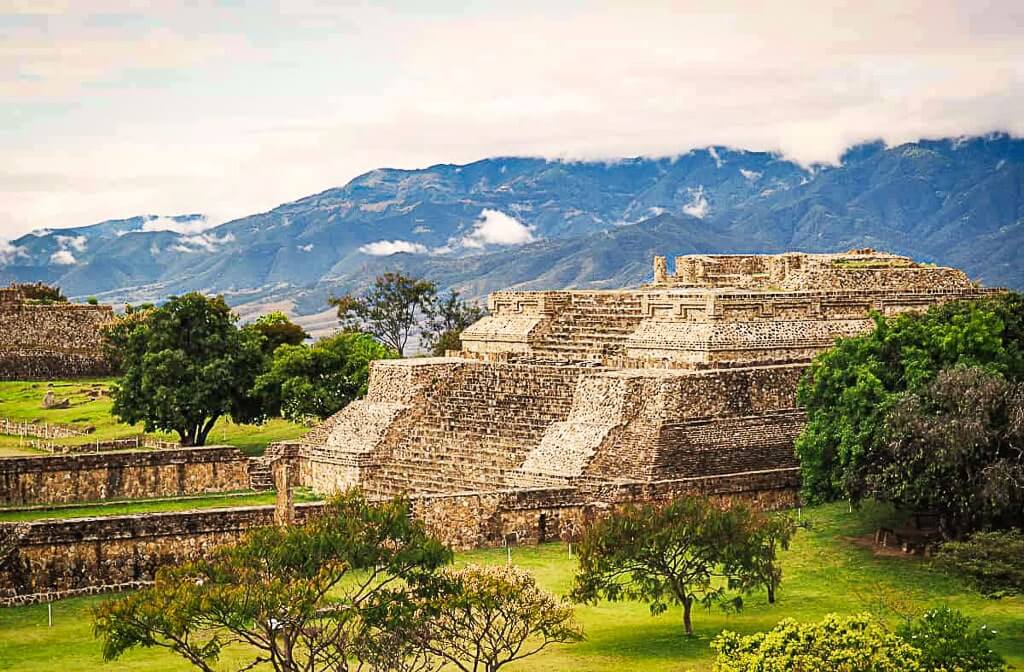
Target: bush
992, 561
852, 644
947, 642
92, 301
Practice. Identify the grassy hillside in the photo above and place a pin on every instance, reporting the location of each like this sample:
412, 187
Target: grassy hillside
828, 569
22, 401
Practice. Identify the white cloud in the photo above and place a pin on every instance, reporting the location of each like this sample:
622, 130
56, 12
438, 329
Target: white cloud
76, 243
203, 242
714, 155
575, 81
421, 229
10, 252
63, 258
750, 175
383, 248
187, 227
308, 247
494, 227
698, 207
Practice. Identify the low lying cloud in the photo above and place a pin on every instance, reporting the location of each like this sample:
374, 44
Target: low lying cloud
306, 248
76, 243
699, 206
202, 242
384, 248
750, 175
63, 258
190, 226
494, 227
10, 252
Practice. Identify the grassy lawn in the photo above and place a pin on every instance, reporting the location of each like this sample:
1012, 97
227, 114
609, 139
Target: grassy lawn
22, 401
126, 507
825, 571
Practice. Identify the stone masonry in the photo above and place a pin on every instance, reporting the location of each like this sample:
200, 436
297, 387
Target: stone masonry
50, 341
692, 376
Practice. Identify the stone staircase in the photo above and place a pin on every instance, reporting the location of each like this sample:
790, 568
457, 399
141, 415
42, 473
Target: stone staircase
590, 327
261, 476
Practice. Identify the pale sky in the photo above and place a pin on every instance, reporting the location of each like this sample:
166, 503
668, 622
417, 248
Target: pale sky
115, 108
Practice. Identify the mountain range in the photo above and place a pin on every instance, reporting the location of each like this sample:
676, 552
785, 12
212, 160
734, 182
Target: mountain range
536, 223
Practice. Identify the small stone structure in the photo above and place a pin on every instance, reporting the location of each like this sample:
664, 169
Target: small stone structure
64, 479
693, 376
48, 341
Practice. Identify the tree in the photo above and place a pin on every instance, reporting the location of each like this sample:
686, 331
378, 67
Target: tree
956, 448
276, 329
446, 320
767, 535
851, 644
390, 310
992, 561
183, 366
685, 552
849, 389
332, 594
486, 617
319, 380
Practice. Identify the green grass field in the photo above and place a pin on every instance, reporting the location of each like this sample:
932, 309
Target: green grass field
827, 569
132, 506
22, 401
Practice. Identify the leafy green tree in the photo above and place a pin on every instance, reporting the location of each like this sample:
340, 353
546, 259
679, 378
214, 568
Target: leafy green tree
276, 329
768, 535
849, 390
183, 366
684, 552
334, 594
391, 310
317, 381
948, 641
850, 644
954, 448
992, 561
484, 618
446, 320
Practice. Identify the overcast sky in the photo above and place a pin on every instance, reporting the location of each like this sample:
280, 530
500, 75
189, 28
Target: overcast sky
115, 108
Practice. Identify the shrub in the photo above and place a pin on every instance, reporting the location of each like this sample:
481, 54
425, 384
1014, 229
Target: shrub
92, 301
947, 642
992, 561
851, 644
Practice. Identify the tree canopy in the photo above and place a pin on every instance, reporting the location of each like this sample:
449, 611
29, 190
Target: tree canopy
390, 310
685, 552
316, 381
849, 390
276, 330
338, 593
183, 366
446, 319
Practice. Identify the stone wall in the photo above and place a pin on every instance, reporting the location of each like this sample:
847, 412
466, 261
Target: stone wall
58, 340
60, 558
62, 479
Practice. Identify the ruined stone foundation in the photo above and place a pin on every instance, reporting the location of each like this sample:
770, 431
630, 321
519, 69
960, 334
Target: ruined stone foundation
691, 377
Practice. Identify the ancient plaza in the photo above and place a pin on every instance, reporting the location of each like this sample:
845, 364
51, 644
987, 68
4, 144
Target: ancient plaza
560, 404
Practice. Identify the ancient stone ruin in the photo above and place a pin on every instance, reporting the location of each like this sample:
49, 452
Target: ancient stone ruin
689, 379
50, 340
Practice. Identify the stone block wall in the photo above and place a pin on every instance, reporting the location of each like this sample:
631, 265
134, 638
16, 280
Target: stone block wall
63, 479
53, 559
45, 342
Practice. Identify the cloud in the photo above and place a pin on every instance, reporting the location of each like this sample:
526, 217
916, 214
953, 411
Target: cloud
203, 242
308, 247
189, 226
494, 227
10, 252
699, 206
63, 258
750, 175
76, 243
647, 78
421, 229
384, 248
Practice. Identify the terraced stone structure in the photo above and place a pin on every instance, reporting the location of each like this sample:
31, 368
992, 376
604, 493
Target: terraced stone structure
691, 379
48, 341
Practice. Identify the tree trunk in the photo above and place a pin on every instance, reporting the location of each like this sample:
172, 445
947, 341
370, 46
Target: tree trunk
687, 624
771, 593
